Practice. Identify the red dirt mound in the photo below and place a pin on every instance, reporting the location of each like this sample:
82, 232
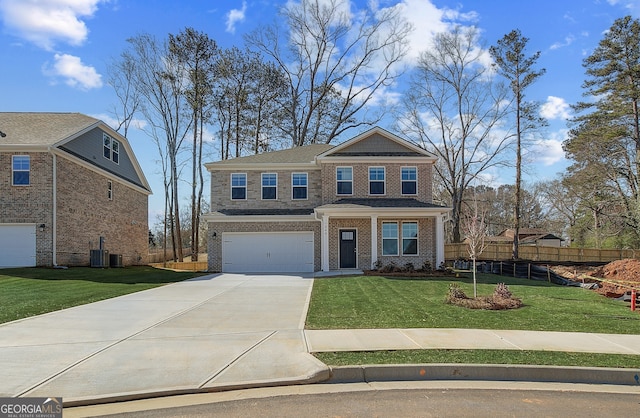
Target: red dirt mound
619, 276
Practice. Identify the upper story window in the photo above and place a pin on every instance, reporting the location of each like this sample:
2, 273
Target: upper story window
238, 186
109, 190
409, 180
21, 168
344, 178
269, 186
409, 238
111, 148
299, 186
376, 180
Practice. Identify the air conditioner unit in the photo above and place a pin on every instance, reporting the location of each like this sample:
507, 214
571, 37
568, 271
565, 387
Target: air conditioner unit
99, 258
115, 260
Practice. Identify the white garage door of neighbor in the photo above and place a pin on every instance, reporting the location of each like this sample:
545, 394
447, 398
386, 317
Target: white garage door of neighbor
17, 245
278, 252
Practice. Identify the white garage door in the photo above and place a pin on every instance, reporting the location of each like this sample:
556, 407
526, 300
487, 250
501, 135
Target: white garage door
17, 245
278, 252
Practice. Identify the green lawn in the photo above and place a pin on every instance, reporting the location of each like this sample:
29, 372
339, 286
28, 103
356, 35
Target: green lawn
26, 292
392, 302
543, 358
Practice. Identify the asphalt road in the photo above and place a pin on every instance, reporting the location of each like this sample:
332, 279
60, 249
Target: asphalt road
417, 403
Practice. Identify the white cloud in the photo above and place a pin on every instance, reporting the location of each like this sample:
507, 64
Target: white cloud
549, 151
555, 108
46, 22
74, 72
234, 16
568, 40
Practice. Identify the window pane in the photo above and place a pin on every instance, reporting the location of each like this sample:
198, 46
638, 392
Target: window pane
238, 180
299, 180
408, 187
389, 247
409, 173
344, 173
344, 187
238, 193
299, 192
389, 230
376, 187
376, 173
269, 179
410, 246
268, 193
21, 178
409, 230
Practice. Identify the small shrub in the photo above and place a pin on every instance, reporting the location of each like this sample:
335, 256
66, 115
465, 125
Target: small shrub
455, 294
389, 268
426, 267
377, 265
502, 292
409, 268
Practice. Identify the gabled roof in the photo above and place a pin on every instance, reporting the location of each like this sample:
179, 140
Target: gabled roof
30, 128
395, 146
293, 156
42, 131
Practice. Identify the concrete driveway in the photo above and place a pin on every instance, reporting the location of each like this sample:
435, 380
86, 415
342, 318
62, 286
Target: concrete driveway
225, 330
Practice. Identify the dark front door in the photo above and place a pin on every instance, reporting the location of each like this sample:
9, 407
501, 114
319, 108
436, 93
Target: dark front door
348, 249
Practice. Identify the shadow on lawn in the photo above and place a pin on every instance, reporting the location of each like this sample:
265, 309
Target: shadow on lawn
466, 277
125, 275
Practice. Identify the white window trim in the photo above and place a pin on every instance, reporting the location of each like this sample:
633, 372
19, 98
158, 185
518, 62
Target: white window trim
13, 170
110, 189
397, 238
231, 186
402, 181
262, 186
344, 194
111, 142
306, 186
417, 238
384, 181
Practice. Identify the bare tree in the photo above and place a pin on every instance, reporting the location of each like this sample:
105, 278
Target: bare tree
475, 231
453, 108
120, 78
161, 83
327, 48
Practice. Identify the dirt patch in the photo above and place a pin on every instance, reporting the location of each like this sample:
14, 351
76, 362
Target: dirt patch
614, 278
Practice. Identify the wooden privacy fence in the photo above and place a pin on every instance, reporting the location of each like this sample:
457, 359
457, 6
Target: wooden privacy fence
540, 253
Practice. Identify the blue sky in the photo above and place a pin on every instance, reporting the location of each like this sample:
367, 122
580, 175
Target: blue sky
54, 53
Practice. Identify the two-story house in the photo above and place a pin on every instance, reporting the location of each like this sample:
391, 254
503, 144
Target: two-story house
325, 207
66, 181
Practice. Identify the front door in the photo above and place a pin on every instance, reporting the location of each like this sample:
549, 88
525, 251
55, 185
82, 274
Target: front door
348, 249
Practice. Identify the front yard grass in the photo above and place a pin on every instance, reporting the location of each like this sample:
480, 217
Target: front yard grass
26, 292
414, 302
396, 302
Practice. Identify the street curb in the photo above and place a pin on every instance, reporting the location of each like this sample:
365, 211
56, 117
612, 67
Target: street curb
490, 372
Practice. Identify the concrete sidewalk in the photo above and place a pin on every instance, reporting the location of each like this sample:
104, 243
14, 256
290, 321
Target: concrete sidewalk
443, 338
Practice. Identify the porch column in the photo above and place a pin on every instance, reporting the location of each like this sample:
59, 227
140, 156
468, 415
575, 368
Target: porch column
439, 240
374, 240
324, 243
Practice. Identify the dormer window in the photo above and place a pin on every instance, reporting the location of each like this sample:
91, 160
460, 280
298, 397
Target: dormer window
110, 148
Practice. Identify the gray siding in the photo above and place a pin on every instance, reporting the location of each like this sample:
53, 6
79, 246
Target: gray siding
376, 144
89, 148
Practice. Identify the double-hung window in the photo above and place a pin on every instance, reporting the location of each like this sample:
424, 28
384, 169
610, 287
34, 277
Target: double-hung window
344, 177
269, 186
389, 238
409, 180
109, 190
409, 238
376, 180
238, 186
299, 186
110, 148
21, 169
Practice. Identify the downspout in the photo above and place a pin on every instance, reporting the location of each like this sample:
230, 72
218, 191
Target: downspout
54, 214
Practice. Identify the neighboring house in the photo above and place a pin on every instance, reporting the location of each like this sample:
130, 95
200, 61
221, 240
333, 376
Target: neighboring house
325, 207
66, 180
527, 236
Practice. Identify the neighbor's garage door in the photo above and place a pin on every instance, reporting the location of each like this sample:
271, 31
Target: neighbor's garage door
278, 252
17, 245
